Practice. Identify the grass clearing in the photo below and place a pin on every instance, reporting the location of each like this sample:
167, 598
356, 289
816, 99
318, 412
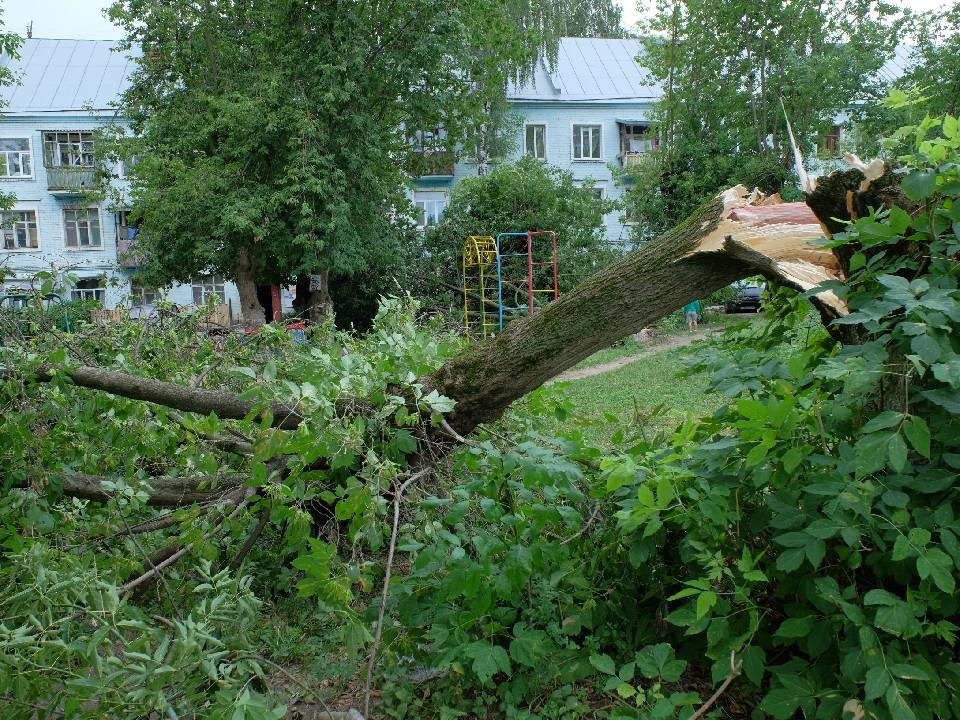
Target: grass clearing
672, 326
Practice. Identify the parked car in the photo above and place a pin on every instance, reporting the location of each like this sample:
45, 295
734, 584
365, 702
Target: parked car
746, 300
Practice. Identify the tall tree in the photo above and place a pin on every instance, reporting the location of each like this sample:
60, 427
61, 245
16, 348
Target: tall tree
726, 68
10, 46
273, 136
935, 62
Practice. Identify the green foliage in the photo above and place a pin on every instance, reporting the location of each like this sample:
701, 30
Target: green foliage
808, 529
726, 69
805, 532
281, 131
516, 197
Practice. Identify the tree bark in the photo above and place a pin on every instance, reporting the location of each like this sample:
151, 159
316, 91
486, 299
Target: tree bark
243, 276
224, 404
319, 304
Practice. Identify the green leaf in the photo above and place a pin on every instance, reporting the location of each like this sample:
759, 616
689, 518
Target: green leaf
705, 601
790, 560
881, 597
878, 680
897, 620
781, 703
488, 659
796, 627
926, 347
604, 663
899, 708
528, 646
792, 459
909, 672
658, 661
918, 433
754, 664
884, 420
919, 184
897, 452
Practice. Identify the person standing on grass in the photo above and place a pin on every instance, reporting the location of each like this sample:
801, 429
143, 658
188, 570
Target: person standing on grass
691, 313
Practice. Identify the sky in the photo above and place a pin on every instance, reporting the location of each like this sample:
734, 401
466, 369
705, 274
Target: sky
84, 18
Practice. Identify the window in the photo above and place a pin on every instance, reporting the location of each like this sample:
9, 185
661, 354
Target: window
126, 230
141, 297
831, 140
19, 229
586, 142
427, 140
429, 212
68, 149
535, 141
15, 160
595, 192
88, 289
208, 286
82, 228
635, 140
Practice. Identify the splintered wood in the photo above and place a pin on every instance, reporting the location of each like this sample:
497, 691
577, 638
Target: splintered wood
786, 235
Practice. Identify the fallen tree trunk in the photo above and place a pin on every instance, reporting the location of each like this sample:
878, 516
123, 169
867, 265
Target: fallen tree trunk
732, 237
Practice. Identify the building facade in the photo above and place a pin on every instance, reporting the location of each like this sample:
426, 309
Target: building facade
67, 90
588, 115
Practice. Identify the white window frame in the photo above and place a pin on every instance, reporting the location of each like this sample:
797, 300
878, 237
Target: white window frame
138, 296
99, 293
23, 207
78, 247
584, 123
207, 285
546, 133
423, 216
33, 165
57, 158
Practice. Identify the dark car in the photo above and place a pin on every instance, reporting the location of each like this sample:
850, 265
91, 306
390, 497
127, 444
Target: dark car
747, 300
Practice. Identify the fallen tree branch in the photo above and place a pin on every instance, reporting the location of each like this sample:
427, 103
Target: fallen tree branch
132, 584
397, 497
224, 404
162, 491
735, 666
251, 539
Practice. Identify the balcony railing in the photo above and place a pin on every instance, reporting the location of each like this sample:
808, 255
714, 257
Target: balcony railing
432, 163
126, 255
632, 158
67, 180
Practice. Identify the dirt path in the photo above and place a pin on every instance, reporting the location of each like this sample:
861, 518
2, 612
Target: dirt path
669, 343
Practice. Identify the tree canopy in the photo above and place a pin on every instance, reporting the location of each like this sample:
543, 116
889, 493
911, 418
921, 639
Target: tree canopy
273, 137
728, 70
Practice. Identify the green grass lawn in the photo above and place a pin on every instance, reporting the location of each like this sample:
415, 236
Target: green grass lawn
625, 399
674, 325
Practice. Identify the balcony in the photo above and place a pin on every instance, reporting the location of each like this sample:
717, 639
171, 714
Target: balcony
68, 180
126, 255
432, 163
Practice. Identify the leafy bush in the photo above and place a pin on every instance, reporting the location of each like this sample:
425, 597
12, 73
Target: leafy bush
525, 195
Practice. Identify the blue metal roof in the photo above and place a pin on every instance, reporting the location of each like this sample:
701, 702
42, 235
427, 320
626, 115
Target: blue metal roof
66, 75
591, 70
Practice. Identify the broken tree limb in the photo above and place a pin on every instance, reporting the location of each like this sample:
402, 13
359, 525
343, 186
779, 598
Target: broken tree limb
162, 491
224, 404
692, 260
